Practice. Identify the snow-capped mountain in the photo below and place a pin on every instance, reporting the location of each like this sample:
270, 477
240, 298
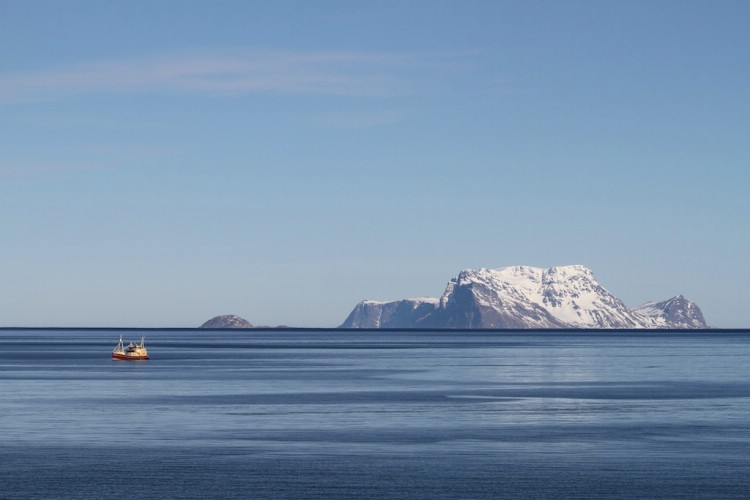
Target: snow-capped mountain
524, 297
677, 312
227, 321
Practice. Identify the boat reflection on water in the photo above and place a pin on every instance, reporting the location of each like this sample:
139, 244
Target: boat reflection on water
131, 352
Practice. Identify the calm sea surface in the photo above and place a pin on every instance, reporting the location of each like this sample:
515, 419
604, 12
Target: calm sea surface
290, 414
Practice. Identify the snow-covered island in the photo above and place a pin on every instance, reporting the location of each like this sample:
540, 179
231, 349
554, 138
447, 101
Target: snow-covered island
525, 297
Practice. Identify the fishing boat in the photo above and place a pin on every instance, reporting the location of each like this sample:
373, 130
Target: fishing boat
133, 352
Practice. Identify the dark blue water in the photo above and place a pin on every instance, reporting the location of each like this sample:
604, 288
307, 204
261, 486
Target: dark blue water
280, 414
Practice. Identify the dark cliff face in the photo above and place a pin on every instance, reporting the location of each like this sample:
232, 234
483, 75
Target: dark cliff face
472, 305
227, 321
459, 309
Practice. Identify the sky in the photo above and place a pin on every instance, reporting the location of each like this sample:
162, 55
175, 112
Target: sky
164, 162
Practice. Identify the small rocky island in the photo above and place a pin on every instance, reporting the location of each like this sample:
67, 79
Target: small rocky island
227, 321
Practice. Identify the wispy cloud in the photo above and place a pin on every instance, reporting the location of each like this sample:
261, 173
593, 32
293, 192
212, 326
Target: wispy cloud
233, 72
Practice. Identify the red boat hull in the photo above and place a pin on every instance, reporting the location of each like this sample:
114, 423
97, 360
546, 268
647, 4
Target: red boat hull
128, 358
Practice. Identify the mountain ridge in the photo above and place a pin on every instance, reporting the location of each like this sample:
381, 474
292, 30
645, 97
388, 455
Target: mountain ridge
524, 297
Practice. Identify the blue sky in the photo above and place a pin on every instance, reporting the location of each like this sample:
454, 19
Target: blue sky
164, 162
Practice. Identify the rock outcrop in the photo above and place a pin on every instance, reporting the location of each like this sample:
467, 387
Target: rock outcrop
227, 321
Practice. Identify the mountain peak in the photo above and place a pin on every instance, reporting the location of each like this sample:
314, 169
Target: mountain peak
677, 312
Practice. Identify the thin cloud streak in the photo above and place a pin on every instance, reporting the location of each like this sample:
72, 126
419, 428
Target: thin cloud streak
234, 73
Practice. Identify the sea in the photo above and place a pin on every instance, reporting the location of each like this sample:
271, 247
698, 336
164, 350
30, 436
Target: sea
375, 414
